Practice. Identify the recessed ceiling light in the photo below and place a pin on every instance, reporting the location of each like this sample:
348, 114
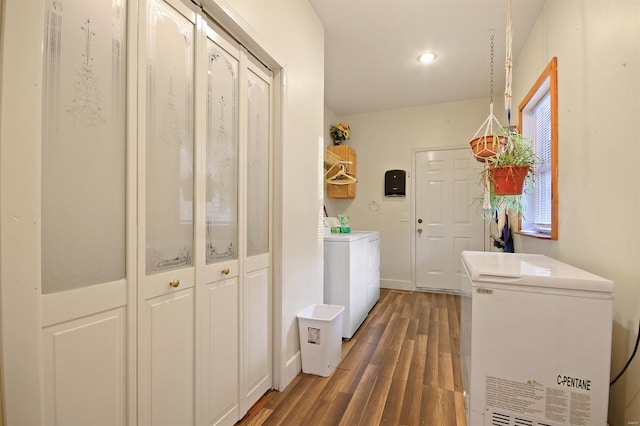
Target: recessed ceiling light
425, 58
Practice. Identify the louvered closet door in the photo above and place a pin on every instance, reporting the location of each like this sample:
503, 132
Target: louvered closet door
87, 262
166, 310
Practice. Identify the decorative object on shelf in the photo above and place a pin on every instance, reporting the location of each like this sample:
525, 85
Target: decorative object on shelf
339, 133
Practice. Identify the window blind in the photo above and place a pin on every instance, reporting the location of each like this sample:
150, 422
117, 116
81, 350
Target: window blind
542, 145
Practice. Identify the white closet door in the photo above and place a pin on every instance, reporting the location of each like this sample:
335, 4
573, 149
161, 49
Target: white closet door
218, 271
84, 250
136, 244
166, 358
257, 302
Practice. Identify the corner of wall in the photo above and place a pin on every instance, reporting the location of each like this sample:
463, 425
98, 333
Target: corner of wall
293, 366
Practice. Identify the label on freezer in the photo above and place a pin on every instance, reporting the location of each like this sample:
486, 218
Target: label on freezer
568, 403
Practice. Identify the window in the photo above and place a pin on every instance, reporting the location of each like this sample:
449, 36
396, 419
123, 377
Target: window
538, 118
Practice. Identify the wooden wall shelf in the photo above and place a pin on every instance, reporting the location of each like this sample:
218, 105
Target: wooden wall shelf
340, 171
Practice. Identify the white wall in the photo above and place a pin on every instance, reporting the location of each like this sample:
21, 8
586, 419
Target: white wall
598, 50
384, 140
290, 31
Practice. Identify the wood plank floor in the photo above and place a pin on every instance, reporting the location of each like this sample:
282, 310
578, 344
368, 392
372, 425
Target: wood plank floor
401, 368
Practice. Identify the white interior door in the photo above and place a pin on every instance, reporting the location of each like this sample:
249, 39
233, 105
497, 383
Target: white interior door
447, 220
166, 309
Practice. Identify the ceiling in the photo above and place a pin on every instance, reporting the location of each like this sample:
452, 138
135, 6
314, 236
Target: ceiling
371, 50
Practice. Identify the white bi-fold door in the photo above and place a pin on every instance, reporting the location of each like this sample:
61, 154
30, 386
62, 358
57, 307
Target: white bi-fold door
87, 264
146, 184
204, 164
167, 87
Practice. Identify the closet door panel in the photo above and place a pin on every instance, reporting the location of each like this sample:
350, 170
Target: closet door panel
258, 138
258, 334
169, 139
220, 324
83, 186
83, 145
222, 155
224, 353
257, 300
85, 374
166, 341
172, 367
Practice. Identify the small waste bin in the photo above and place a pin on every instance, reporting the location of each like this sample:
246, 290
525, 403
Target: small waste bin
320, 338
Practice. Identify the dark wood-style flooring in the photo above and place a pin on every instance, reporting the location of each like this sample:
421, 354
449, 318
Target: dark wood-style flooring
400, 368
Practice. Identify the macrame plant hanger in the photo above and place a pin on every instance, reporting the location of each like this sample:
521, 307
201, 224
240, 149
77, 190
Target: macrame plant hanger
485, 139
508, 66
486, 133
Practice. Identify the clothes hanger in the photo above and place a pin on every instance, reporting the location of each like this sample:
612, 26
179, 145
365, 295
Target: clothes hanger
341, 177
331, 168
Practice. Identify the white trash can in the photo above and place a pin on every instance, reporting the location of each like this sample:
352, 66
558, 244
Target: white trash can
320, 329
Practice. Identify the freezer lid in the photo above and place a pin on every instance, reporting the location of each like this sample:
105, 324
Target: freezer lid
531, 270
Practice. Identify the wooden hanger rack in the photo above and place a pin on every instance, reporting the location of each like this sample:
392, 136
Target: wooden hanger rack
334, 162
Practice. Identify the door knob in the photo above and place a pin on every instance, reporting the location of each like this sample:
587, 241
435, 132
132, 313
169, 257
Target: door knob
225, 271
174, 283
419, 230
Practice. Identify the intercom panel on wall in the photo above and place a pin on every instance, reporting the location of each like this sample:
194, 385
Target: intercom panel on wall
395, 183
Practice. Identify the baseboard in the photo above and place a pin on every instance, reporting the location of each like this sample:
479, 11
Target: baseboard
291, 370
396, 284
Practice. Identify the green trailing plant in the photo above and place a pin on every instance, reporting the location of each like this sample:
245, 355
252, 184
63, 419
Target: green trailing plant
517, 152
515, 204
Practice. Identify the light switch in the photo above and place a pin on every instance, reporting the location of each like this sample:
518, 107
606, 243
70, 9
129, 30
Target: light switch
404, 217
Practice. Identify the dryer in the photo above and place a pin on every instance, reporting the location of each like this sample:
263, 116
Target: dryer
352, 275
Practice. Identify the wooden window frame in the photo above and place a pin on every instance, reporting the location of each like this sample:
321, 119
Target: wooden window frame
550, 72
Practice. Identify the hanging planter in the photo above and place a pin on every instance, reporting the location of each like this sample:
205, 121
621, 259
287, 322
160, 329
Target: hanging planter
507, 174
508, 155
484, 147
508, 180
488, 141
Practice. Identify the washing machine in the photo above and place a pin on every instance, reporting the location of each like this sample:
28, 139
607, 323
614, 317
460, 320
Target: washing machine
345, 277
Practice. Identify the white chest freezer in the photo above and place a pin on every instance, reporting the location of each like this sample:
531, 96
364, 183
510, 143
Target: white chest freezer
535, 341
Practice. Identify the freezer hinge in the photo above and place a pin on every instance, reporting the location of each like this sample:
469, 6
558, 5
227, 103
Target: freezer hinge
484, 290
